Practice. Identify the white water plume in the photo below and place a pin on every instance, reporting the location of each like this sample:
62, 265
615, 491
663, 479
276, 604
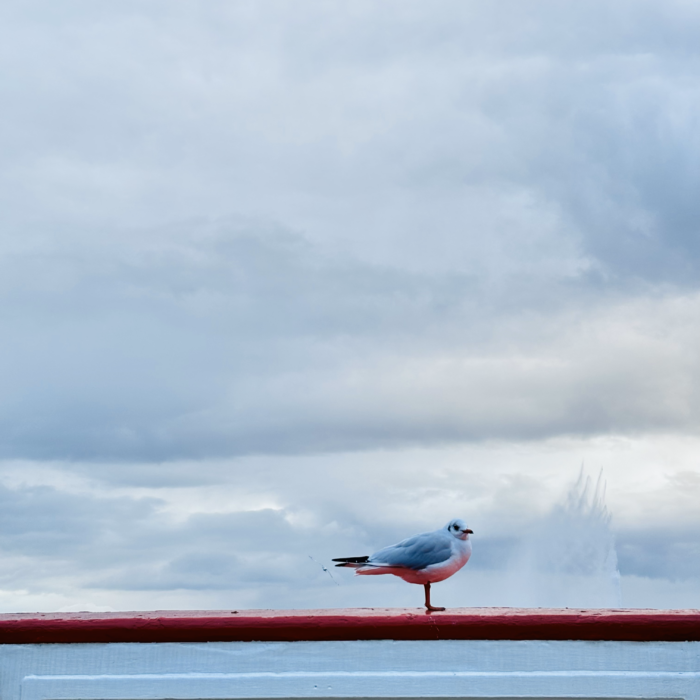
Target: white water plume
569, 559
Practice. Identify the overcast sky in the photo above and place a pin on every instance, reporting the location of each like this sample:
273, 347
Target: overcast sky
285, 281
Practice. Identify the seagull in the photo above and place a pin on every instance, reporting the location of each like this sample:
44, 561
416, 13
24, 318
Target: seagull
426, 558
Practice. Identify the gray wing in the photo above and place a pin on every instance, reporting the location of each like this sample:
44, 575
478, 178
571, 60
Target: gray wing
416, 552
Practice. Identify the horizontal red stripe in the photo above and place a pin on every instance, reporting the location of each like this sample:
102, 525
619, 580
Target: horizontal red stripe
351, 624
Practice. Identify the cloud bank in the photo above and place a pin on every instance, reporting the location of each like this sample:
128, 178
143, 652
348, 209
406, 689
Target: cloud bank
282, 281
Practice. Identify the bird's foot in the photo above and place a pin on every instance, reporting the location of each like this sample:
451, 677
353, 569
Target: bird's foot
431, 608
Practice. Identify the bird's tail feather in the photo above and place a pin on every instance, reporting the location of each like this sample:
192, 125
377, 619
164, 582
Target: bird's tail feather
353, 562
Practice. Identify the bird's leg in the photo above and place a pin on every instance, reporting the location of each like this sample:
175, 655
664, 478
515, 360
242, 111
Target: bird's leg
427, 598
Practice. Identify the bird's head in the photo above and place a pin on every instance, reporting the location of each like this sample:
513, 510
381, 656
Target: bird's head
459, 529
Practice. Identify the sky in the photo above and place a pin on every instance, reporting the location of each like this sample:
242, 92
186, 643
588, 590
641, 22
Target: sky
283, 281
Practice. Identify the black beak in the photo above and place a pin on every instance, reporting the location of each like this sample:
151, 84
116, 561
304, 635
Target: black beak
469, 532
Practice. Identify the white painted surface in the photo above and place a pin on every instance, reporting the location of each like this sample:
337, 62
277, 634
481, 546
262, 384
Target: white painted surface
363, 669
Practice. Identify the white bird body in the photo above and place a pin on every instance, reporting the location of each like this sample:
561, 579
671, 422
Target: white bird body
422, 559
460, 551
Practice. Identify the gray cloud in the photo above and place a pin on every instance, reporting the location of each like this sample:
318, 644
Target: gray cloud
243, 232
226, 339
661, 552
532, 547
435, 137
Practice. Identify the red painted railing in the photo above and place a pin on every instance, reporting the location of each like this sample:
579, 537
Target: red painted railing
351, 624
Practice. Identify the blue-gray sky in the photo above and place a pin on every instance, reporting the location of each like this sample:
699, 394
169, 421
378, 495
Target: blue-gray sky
282, 279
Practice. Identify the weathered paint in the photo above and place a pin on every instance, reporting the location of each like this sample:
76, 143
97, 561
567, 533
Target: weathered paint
354, 624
